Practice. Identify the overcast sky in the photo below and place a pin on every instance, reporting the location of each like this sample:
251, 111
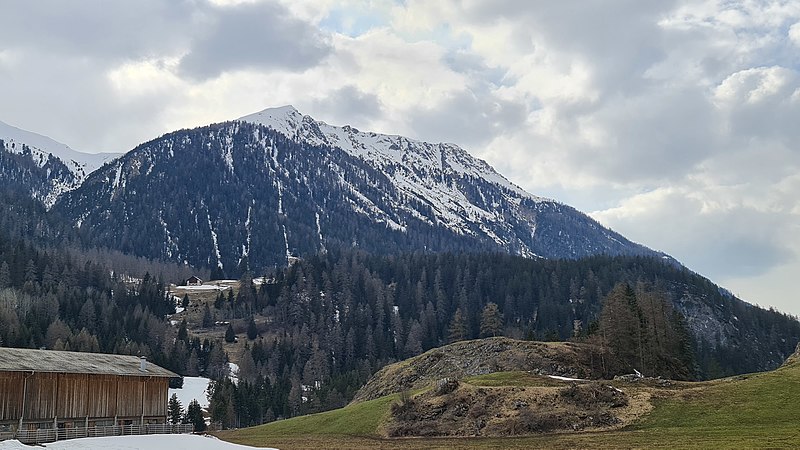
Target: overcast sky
673, 122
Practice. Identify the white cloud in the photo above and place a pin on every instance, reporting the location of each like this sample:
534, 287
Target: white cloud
794, 34
725, 237
252, 36
674, 120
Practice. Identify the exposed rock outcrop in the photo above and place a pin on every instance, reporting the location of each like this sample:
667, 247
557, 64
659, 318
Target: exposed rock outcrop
794, 358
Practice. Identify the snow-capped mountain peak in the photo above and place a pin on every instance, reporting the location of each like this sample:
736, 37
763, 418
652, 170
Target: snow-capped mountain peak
436, 174
42, 149
285, 119
79, 163
382, 149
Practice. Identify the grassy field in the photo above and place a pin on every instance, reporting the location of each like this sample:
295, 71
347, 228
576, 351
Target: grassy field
752, 411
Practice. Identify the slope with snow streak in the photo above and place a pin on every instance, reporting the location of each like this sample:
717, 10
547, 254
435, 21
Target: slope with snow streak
427, 172
465, 194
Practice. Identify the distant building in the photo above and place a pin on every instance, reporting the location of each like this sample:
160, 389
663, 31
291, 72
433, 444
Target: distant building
194, 281
47, 390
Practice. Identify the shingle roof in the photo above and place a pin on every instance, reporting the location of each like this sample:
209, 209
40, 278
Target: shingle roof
26, 360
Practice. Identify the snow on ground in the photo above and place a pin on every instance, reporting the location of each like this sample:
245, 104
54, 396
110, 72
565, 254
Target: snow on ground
148, 442
556, 377
194, 388
233, 370
203, 287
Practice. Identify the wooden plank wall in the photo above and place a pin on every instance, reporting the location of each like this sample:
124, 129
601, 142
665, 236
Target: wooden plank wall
73, 396
10, 395
155, 393
103, 396
129, 396
40, 398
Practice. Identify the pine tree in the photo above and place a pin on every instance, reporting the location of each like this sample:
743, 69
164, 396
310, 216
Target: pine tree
491, 320
183, 333
230, 335
414, 340
194, 416
217, 273
193, 364
252, 330
457, 330
208, 321
5, 276
174, 410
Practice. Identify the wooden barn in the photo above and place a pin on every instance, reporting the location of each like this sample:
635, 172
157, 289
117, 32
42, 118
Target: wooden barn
45, 389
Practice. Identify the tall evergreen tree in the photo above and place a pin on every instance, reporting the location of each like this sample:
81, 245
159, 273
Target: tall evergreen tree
183, 332
174, 410
491, 320
230, 335
194, 416
208, 321
252, 330
457, 331
5, 275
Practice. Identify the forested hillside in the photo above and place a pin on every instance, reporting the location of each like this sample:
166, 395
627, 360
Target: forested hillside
60, 296
327, 322
41, 176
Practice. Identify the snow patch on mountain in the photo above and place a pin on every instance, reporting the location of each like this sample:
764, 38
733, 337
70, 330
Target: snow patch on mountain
421, 171
381, 149
16, 140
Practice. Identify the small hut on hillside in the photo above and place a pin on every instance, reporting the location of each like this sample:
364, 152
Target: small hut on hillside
56, 390
194, 281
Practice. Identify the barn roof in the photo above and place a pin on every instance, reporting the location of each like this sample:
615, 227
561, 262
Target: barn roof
26, 360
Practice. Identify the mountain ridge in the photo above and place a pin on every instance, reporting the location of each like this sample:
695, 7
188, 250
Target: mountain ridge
64, 168
291, 173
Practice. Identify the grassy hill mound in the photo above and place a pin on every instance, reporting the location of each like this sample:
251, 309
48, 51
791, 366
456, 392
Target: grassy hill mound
479, 357
748, 411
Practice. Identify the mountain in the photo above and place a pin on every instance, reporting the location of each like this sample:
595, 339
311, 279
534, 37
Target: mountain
41, 166
276, 183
